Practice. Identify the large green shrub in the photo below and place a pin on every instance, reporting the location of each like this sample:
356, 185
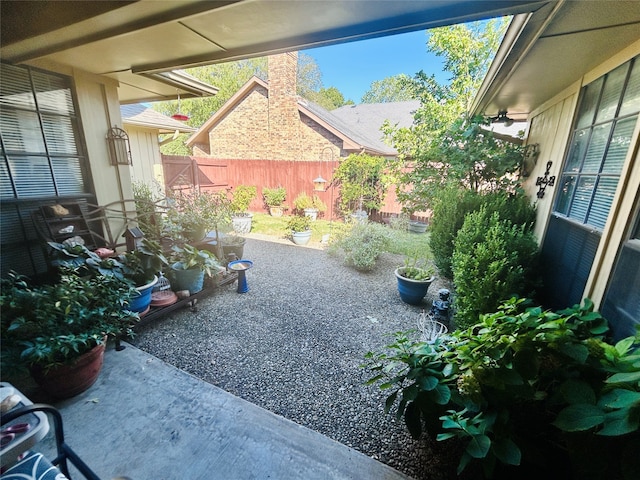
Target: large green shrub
527, 387
362, 244
493, 260
452, 205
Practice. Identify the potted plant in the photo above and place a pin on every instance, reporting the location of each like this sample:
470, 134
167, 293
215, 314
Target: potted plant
300, 230
138, 268
232, 245
243, 195
274, 199
58, 331
311, 206
189, 266
414, 279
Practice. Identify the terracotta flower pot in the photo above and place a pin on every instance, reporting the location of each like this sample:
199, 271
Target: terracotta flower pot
65, 381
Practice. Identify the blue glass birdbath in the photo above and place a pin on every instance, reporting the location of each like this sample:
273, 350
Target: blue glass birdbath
241, 266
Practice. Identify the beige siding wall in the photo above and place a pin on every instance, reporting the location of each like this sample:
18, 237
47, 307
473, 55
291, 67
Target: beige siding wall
551, 129
99, 110
145, 155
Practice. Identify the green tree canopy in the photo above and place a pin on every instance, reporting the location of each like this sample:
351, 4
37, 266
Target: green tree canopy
445, 144
329, 98
397, 88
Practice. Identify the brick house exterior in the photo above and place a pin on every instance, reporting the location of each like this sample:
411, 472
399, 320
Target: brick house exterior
265, 121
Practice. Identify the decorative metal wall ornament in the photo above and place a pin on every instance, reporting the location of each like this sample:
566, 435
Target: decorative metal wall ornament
119, 147
529, 159
546, 181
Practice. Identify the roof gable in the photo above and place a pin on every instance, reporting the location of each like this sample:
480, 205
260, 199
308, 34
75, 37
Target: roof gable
202, 134
357, 126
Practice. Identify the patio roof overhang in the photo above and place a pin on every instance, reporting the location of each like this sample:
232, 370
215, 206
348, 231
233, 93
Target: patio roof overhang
134, 41
546, 51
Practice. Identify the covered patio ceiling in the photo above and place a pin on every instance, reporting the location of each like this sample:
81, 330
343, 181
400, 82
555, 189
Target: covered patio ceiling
137, 42
546, 51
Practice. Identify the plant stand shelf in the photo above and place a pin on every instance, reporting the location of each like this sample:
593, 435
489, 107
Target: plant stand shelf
191, 301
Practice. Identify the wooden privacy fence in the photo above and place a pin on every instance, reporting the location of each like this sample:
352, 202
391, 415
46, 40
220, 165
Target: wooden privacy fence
186, 173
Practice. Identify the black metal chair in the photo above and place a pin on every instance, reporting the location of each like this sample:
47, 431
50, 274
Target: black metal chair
65, 453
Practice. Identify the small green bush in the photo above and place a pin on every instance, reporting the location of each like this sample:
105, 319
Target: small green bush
493, 260
274, 197
362, 244
453, 204
449, 210
522, 387
243, 195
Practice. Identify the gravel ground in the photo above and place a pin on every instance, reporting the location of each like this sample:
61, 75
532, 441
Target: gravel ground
294, 344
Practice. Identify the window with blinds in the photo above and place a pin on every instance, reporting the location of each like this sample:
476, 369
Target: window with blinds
39, 136
601, 138
41, 159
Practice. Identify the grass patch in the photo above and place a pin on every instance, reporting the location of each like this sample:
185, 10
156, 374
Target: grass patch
403, 243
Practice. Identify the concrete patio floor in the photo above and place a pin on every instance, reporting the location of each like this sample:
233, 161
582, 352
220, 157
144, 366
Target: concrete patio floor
147, 420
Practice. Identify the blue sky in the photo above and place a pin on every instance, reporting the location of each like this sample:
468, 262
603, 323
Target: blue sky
352, 67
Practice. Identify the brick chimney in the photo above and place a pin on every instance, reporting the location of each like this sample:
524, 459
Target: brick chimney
284, 118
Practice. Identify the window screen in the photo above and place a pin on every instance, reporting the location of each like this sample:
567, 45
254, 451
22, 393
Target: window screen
606, 119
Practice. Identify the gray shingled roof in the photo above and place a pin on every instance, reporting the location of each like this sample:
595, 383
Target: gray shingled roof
139, 114
367, 118
361, 136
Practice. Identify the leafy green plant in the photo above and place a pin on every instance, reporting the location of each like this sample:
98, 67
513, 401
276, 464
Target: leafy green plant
148, 217
492, 261
243, 195
304, 201
188, 257
298, 223
416, 268
52, 324
453, 204
517, 386
190, 212
362, 244
274, 197
363, 182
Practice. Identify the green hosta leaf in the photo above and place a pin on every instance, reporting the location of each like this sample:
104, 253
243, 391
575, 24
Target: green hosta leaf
412, 420
390, 401
627, 377
507, 451
445, 436
619, 398
373, 380
579, 417
619, 422
428, 383
440, 395
578, 391
624, 345
464, 461
447, 370
577, 351
479, 446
